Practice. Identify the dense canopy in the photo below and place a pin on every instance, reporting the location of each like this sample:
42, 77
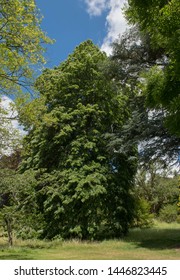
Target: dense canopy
86, 188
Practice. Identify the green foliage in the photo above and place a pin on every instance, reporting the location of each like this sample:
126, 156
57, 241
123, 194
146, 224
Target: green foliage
143, 218
83, 188
156, 186
133, 54
18, 208
160, 19
169, 213
29, 110
21, 41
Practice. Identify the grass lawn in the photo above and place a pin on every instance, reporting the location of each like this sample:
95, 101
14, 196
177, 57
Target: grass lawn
159, 242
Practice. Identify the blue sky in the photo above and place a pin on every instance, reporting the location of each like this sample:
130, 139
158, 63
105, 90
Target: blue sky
71, 22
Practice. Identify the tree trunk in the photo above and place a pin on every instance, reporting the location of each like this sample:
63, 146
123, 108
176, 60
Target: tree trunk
9, 230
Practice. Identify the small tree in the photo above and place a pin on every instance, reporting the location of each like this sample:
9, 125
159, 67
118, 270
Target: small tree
18, 208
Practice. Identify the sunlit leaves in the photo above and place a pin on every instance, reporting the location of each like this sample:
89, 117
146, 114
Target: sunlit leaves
21, 41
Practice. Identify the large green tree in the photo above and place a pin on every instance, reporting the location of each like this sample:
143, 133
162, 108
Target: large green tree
84, 188
21, 48
133, 54
160, 19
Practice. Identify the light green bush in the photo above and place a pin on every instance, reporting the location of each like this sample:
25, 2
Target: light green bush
169, 213
143, 217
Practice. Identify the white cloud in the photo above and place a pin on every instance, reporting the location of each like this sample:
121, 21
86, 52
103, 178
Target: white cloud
11, 123
96, 7
9, 134
7, 104
115, 20
116, 24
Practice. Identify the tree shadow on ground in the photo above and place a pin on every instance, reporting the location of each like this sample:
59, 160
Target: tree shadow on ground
156, 239
14, 253
14, 257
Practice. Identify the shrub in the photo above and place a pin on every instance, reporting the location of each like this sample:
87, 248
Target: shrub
169, 213
143, 217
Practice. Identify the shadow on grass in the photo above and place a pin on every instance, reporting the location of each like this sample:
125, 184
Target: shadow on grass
14, 253
12, 256
25, 250
155, 239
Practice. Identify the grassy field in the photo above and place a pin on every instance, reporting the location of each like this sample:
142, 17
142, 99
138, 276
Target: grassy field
160, 242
